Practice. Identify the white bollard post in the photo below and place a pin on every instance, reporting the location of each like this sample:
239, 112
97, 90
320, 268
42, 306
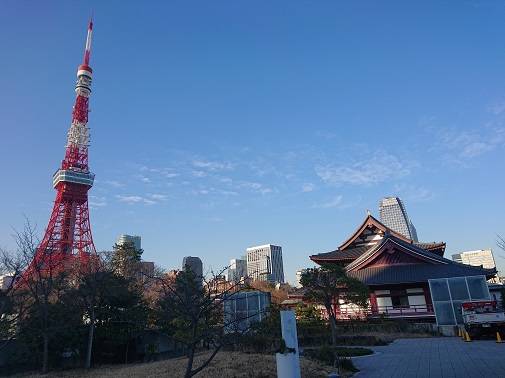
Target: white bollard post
288, 364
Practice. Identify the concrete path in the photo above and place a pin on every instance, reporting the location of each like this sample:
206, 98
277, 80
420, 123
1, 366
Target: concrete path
434, 357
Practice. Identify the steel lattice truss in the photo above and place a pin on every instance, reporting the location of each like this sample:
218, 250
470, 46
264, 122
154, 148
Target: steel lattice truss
68, 240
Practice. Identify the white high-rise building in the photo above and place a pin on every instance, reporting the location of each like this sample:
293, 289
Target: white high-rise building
482, 257
264, 263
299, 273
237, 269
6, 281
123, 239
393, 215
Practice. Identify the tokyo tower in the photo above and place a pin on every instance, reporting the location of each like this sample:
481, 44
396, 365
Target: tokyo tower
67, 240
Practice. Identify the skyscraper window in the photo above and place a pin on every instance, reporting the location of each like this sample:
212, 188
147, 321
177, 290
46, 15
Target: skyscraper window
392, 214
264, 263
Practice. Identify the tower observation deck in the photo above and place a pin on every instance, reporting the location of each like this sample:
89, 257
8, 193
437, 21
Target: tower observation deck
68, 240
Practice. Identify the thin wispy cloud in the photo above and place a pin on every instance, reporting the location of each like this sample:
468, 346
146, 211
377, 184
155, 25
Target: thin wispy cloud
212, 166
114, 184
227, 193
308, 187
329, 204
163, 171
142, 178
169, 174
414, 193
131, 200
199, 174
325, 134
289, 156
461, 147
257, 187
215, 192
497, 107
95, 201
208, 206
225, 180
378, 168
261, 168
158, 197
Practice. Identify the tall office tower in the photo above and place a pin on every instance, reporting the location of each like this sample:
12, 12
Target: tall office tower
67, 241
264, 263
194, 264
482, 257
237, 269
392, 214
136, 240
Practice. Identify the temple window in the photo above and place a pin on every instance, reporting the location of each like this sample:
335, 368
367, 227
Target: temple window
399, 298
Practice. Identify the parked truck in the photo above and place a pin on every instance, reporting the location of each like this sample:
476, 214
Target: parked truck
482, 319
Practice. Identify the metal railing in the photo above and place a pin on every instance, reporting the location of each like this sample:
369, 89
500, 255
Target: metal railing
424, 310
410, 310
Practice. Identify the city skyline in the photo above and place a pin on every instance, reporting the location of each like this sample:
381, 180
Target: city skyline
215, 127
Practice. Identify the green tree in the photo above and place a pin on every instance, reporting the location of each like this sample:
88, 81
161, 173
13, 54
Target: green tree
50, 328
126, 260
116, 308
44, 318
108, 300
307, 312
330, 286
91, 291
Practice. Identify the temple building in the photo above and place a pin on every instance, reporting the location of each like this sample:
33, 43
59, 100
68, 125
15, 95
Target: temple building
396, 269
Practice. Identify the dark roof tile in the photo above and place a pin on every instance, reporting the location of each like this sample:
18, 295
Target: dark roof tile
346, 254
395, 274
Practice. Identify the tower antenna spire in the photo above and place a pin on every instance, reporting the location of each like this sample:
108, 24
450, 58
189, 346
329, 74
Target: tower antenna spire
88, 42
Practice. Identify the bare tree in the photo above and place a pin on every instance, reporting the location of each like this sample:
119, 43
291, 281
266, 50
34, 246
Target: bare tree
12, 266
198, 312
500, 242
35, 296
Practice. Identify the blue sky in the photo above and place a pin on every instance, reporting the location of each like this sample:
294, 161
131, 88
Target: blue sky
218, 126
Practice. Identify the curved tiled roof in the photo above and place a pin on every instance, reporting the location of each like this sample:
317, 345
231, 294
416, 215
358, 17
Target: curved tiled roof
396, 274
422, 253
346, 254
354, 253
440, 246
370, 221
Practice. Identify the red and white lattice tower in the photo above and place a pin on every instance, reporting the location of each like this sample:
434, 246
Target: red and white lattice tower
68, 239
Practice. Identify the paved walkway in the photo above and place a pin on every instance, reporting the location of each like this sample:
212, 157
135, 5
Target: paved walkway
434, 357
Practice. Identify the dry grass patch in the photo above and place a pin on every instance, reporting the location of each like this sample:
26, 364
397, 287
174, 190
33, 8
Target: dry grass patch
224, 365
